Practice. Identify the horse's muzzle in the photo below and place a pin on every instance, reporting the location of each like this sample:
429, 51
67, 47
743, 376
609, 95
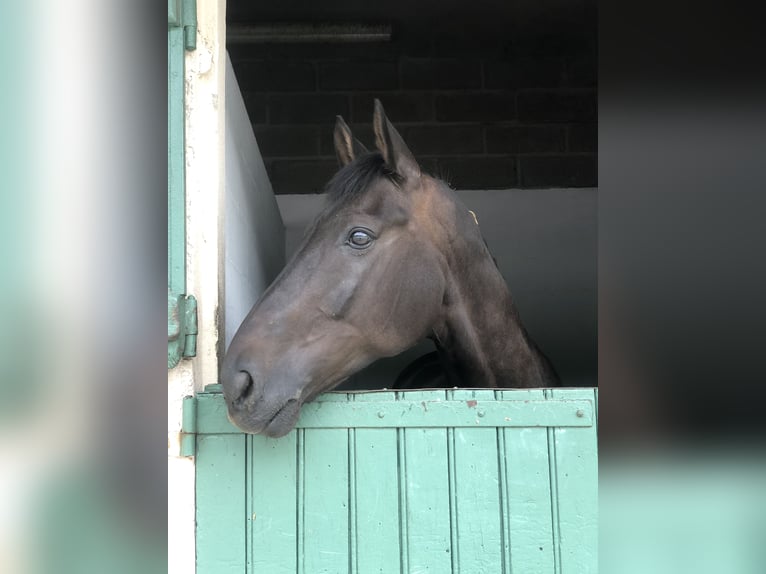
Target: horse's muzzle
252, 410
274, 420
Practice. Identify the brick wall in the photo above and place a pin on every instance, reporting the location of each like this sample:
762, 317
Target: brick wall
481, 113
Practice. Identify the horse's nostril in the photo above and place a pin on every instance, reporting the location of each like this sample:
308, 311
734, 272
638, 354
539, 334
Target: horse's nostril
244, 382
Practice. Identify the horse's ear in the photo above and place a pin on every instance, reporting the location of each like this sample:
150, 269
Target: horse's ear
347, 147
396, 153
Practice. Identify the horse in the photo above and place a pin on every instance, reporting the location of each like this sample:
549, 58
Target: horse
394, 257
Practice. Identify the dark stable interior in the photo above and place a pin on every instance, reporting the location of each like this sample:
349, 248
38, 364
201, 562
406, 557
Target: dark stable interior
490, 95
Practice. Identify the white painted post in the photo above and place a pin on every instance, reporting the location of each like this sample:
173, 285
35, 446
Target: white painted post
205, 147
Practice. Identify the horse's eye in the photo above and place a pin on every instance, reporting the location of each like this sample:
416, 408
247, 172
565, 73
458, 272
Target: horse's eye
360, 239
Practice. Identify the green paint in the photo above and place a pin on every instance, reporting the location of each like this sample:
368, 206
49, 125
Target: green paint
221, 504
401, 493
181, 309
425, 481
325, 501
190, 324
190, 24
182, 328
272, 503
478, 532
433, 411
188, 427
174, 12
576, 465
377, 517
526, 494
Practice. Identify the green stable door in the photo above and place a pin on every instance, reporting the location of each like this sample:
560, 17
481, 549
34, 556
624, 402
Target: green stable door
468, 481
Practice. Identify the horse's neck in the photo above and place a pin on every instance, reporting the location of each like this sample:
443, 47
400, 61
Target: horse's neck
481, 339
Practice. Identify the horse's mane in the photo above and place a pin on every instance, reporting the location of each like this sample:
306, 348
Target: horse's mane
355, 178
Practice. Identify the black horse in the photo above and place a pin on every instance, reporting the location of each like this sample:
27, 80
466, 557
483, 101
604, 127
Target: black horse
393, 258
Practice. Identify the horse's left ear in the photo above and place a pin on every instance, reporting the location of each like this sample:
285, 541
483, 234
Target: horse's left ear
396, 153
347, 147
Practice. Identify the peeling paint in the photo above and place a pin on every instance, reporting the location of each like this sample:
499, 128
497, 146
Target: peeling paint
202, 61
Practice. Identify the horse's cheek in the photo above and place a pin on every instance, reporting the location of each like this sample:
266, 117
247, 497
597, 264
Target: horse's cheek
410, 304
424, 305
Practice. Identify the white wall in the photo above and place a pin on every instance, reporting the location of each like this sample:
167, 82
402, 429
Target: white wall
545, 243
254, 233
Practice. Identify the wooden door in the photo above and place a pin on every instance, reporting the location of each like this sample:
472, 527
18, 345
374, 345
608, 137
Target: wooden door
462, 481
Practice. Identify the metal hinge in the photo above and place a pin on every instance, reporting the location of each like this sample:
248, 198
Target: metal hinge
190, 317
182, 328
190, 24
188, 427
183, 13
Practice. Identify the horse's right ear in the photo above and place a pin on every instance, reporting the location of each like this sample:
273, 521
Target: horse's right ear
347, 147
396, 153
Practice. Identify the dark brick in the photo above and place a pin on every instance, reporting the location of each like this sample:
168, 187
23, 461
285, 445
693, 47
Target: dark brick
559, 171
414, 41
559, 107
300, 176
551, 44
582, 71
378, 51
583, 137
438, 139
409, 107
355, 75
287, 140
475, 107
467, 41
446, 74
524, 73
525, 139
478, 172
256, 106
363, 132
276, 76
309, 108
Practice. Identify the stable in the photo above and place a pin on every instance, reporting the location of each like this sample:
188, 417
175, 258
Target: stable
374, 480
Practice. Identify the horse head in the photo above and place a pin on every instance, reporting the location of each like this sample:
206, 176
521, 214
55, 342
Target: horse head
393, 258
367, 282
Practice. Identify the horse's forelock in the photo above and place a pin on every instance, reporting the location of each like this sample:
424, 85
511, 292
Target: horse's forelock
356, 178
